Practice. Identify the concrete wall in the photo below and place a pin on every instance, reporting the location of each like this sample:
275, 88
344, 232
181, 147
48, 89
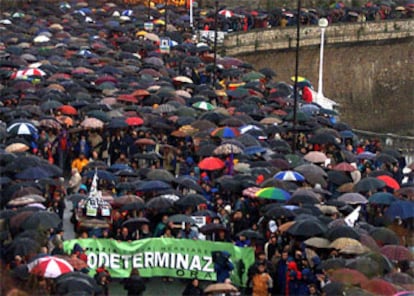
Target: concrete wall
369, 75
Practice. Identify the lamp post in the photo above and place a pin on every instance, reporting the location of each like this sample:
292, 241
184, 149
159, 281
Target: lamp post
215, 42
323, 24
295, 89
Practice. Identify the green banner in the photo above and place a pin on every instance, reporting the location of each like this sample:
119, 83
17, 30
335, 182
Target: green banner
180, 258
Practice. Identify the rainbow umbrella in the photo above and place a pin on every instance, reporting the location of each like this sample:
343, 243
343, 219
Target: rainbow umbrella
273, 193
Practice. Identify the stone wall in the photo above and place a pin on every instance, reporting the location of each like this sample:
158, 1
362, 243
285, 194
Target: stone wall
285, 38
371, 80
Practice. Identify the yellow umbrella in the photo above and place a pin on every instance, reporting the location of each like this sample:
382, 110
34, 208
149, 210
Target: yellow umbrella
300, 78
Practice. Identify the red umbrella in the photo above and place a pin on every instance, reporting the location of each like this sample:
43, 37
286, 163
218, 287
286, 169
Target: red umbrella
379, 287
76, 263
127, 98
145, 141
134, 121
389, 181
140, 93
348, 276
49, 267
211, 164
67, 110
396, 252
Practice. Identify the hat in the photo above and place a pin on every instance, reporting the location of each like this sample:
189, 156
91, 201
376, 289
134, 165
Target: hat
227, 208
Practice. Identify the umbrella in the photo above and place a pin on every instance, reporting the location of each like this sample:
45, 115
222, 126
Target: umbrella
353, 198
397, 252
145, 141
33, 173
153, 185
343, 231
213, 228
94, 223
134, 223
92, 123
160, 174
225, 132
250, 234
22, 246
354, 250
159, 203
389, 182
277, 212
227, 148
401, 208
180, 218
273, 193
211, 164
220, 288
42, 219
315, 157
22, 128
25, 200
49, 267
127, 199
289, 176
369, 184
74, 282
134, 121
382, 198
202, 105
344, 167
379, 286
102, 175
338, 177
333, 263
384, 236
191, 200
17, 147
365, 265
307, 228
313, 174
343, 242
76, 263
188, 182
348, 276
317, 242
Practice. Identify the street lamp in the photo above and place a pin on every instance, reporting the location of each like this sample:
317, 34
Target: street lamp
323, 24
215, 42
295, 89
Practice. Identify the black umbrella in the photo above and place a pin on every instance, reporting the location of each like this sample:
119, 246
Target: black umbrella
384, 236
333, 263
134, 223
22, 246
191, 200
277, 212
75, 281
153, 185
369, 184
251, 234
342, 231
338, 177
180, 218
307, 228
43, 220
133, 206
161, 175
213, 228
159, 203
76, 197
189, 183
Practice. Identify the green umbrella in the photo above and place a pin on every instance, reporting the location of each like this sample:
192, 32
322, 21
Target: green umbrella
202, 105
252, 76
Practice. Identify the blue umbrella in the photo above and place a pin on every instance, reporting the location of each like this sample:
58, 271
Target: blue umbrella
289, 176
104, 175
33, 173
153, 185
120, 167
382, 198
402, 208
254, 150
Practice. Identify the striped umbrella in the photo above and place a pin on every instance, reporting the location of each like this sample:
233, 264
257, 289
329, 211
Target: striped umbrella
49, 267
289, 176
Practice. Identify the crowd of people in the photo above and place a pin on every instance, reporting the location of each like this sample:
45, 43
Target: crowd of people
87, 90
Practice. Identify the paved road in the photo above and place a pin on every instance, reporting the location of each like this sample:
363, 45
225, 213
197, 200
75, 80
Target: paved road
155, 286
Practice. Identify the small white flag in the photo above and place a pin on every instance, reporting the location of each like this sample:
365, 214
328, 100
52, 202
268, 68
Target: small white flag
353, 217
